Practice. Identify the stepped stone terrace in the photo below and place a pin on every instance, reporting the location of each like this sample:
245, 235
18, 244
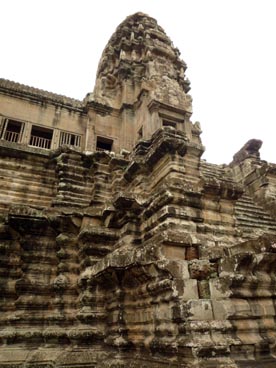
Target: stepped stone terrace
119, 245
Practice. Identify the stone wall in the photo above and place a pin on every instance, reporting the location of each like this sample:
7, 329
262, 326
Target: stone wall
161, 262
27, 177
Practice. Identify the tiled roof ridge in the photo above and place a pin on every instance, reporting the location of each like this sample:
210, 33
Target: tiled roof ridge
39, 93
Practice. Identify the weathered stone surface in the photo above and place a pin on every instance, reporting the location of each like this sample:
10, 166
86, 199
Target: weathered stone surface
122, 248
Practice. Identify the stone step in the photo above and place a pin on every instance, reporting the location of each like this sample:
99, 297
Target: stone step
256, 225
251, 211
79, 190
7, 198
252, 216
32, 187
73, 176
14, 164
27, 175
73, 197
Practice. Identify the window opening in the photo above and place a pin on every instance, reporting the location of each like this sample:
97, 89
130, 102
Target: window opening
41, 137
169, 123
12, 130
70, 139
104, 144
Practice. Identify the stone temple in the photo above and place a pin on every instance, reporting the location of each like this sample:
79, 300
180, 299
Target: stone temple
120, 246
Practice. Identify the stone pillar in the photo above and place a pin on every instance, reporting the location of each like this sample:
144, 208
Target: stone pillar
26, 135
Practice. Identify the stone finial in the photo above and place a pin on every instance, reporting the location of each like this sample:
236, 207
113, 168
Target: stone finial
249, 150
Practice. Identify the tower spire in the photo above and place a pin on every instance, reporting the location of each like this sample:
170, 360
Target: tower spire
140, 55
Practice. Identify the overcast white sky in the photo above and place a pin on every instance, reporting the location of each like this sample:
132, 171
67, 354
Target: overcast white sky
229, 46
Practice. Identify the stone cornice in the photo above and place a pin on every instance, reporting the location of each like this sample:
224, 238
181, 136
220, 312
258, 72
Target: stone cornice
39, 95
157, 105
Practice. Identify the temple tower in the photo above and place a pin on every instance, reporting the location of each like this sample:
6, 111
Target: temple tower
140, 87
119, 246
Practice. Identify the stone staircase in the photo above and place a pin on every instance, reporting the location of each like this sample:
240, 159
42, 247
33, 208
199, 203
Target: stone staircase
212, 170
35, 186
252, 217
73, 181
